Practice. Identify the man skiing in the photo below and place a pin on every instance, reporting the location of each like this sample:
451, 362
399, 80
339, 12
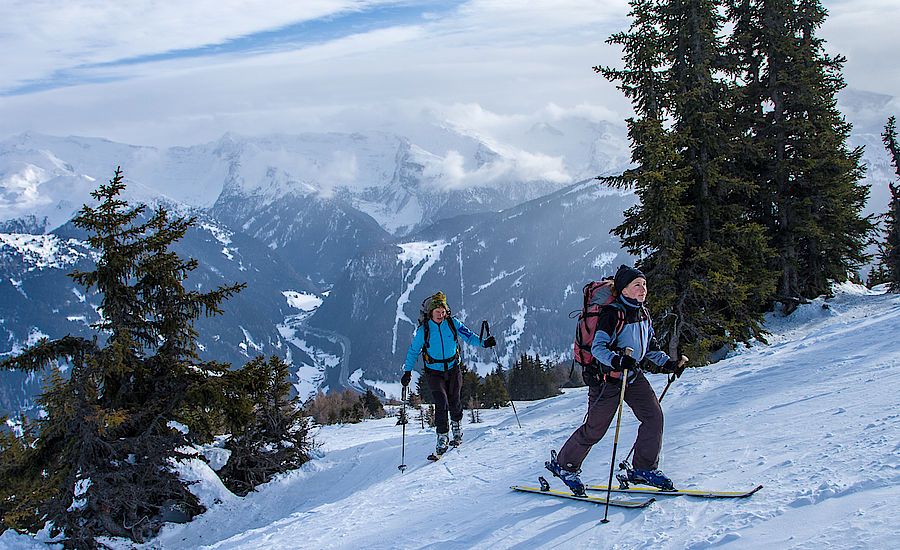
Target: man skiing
622, 324
436, 340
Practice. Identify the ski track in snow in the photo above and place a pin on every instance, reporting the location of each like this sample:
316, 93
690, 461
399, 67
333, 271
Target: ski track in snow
812, 416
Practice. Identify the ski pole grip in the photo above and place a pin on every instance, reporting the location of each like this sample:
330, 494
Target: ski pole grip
485, 328
403, 393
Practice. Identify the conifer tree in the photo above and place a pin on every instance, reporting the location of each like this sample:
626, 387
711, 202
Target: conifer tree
373, 406
657, 180
99, 460
530, 378
810, 197
704, 260
493, 392
270, 437
889, 256
423, 391
471, 383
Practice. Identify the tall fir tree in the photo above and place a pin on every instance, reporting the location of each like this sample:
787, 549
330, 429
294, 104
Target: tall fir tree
810, 197
654, 229
889, 256
704, 259
100, 464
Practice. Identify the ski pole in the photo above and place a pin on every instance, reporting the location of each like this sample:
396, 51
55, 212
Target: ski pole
402, 466
622, 465
612, 463
485, 326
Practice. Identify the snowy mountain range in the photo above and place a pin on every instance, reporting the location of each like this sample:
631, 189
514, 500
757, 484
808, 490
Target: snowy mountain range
521, 269
811, 416
293, 216
341, 236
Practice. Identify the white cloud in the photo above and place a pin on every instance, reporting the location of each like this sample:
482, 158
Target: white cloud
865, 33
448, 170
503, 70
49, 35
451, 172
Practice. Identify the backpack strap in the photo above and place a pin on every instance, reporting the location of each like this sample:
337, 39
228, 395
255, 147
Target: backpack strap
453, 329
620, 319
429, 360
620, 322
620, 326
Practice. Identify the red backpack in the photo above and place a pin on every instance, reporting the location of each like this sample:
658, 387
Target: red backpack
597, 295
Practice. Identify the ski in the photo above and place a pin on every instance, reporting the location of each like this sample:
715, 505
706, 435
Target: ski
638, 503
687, 492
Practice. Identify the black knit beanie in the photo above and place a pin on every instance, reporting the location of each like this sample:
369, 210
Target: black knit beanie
624, 276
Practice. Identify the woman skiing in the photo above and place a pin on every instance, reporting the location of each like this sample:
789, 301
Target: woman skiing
436, 340
622, 324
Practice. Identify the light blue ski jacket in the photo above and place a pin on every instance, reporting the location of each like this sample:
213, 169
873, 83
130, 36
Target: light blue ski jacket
636, 333
441, 344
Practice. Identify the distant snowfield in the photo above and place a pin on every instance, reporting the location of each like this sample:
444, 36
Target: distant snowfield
43, 251
302, 300
812, 416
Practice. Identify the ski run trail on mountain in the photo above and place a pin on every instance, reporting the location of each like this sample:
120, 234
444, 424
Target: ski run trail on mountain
813, 416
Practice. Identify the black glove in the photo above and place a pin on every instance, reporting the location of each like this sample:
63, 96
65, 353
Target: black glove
672, 367
490, 342
592, 375
622, 362
407, 376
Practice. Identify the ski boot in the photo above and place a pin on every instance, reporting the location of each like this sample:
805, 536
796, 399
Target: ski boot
443, 443
456, 429
653, 478
571, 479
623, 477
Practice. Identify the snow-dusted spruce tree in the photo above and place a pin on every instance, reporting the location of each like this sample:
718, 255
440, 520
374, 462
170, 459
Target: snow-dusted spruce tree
99, 461
889, 256
100, 457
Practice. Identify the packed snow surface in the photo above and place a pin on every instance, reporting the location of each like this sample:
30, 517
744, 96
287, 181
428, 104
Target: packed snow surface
812, 416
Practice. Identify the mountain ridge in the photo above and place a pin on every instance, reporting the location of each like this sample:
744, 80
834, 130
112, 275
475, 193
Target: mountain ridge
356, 221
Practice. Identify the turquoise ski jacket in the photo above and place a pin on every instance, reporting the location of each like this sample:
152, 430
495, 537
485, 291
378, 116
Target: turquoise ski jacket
441, 344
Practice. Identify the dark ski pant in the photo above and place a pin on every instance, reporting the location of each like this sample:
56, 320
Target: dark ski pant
639, 395
445, 389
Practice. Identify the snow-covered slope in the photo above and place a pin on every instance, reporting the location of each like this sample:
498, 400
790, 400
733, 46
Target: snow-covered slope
812, 416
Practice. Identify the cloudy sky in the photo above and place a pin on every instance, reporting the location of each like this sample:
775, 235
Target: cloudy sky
175, 72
